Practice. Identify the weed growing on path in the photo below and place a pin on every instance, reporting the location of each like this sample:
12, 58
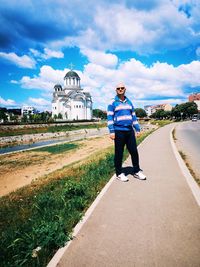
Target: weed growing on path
174, 134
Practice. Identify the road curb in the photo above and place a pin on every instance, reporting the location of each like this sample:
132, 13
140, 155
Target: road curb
189, 178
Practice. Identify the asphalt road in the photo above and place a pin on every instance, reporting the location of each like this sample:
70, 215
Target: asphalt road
188, 141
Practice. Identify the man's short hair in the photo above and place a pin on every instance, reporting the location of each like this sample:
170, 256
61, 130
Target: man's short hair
121, 84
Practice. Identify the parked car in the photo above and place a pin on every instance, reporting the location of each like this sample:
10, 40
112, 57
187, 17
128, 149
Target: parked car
194, 117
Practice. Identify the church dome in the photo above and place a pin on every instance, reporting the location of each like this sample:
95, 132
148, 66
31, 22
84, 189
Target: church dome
71, 74
72, 81
58, 87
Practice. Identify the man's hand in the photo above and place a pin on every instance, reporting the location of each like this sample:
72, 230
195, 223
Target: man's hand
112, 136
138, 134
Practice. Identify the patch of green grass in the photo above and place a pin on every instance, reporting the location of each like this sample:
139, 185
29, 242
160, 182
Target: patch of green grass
48, 129
57, 149
161, 123
37, 220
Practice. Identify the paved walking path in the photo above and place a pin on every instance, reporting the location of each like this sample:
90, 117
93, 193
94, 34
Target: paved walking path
142, 223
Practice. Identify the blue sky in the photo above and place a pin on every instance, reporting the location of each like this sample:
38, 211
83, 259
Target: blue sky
152, 46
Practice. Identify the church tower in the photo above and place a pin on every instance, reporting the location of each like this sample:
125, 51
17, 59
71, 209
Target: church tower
72, 81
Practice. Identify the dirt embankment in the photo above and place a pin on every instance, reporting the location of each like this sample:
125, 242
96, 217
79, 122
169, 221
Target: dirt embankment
20, 169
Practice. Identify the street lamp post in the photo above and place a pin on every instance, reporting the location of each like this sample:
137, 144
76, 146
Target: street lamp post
181, 115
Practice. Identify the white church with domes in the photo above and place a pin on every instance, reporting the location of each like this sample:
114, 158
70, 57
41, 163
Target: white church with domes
70, 101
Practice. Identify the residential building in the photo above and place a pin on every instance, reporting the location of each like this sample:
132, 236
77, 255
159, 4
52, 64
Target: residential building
195, 98
28, 110
152, 109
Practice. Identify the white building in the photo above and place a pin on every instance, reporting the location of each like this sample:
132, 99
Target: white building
148, 110
71, 102
28, 110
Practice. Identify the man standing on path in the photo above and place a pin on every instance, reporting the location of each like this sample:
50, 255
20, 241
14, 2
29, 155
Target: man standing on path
121, 121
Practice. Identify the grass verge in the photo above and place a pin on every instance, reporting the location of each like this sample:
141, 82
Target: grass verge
38, 219
161, 123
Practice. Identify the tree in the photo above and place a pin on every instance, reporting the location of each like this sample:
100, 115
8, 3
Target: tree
192, 108
13, 117
36, 118
45, 116
60, 116
98, 113
161, 114
24, 118
140, 113
3, 116
185, 110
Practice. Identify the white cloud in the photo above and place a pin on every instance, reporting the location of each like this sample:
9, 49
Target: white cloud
48, 53
23, 61
40, 104
198, 51
35, 52
121, 26
14, 82
100, 58
143, 31
39, 101
46, 80
159, 81
8, 102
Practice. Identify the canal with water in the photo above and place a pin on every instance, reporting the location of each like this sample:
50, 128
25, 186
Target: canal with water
54, 141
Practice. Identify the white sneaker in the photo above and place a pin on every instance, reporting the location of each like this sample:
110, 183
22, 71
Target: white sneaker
140, 175
122, 177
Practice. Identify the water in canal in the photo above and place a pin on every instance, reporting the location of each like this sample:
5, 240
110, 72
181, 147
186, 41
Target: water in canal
53, 141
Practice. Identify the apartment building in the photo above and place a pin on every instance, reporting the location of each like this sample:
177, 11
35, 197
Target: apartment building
151, 109
195, 98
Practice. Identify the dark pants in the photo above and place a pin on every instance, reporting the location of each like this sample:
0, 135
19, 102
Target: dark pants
127, 138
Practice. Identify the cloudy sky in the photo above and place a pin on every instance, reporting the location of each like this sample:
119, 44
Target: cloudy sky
153, 46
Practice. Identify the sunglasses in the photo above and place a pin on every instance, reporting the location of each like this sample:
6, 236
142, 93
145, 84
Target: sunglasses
120, 88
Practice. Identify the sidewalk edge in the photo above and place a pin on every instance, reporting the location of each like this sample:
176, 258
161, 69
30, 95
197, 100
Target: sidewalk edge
189, 178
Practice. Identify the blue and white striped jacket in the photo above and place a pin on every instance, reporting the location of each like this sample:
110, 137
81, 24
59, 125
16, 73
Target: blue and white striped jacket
121, 115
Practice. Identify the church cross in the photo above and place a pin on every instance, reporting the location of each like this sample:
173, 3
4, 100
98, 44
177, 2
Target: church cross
71, 66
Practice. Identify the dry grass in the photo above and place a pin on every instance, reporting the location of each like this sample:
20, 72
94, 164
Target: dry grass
185, 159
174, 134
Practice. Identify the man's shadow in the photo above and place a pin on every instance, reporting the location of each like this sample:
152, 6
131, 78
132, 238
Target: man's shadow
130, 170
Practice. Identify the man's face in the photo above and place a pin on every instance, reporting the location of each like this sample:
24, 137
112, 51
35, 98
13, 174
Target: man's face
120, 90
